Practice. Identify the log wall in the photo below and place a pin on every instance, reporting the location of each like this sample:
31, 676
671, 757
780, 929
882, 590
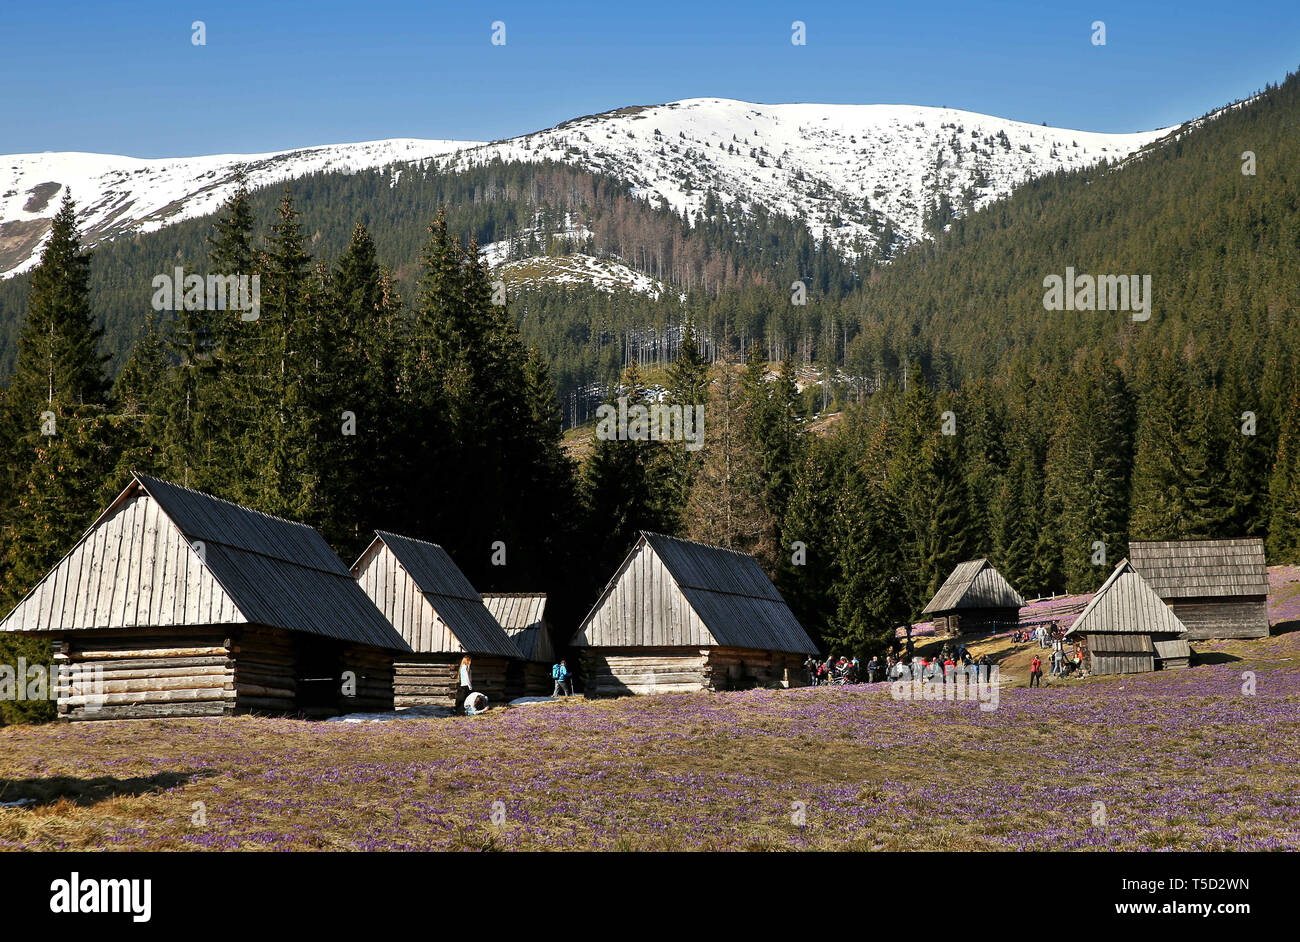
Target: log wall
110, 677
619, 671
431, 679
528, 679
204, 672
266, 671
373, 671
1122, 663
1222, 618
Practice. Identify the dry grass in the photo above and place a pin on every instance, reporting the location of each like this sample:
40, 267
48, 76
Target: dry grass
1180, 760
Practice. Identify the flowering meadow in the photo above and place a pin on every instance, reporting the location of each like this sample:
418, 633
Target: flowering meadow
1182, 760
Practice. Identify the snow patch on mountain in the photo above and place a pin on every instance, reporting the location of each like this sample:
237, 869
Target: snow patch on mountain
604, 274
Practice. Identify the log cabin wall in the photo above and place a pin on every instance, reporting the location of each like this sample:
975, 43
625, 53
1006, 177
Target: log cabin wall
528, 679
744, 669
266, 671
613, 672
1137, 663
144, 675
431, 679
373, 673
1222, 618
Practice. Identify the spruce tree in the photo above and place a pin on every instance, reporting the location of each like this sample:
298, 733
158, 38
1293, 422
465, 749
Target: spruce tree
59, 362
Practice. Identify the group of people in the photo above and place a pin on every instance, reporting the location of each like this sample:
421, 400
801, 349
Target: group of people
939, 669
942, 668
1063, 663
834, 670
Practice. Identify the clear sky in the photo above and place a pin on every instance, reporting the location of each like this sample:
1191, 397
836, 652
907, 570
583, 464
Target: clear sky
125, 77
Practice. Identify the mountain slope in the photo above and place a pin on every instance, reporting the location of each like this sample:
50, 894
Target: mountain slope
119, 195
830, 166
858, 171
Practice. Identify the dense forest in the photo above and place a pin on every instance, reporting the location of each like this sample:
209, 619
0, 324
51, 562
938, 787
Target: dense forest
381, 386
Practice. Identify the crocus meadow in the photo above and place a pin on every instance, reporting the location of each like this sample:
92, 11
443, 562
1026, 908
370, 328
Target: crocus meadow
1200, 759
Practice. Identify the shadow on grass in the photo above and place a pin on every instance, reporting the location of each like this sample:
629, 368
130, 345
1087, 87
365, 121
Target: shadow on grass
1213, 657
35, 792
1284, 627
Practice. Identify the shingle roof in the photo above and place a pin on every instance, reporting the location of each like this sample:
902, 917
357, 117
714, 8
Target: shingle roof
457, 602
1181, 569
974, 584
277, 572
732, 595
522, 615
1125, 604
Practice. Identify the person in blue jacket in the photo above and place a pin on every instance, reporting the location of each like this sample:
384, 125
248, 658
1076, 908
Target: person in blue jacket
563, 685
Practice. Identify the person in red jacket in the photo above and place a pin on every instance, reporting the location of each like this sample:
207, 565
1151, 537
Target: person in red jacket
1035, 672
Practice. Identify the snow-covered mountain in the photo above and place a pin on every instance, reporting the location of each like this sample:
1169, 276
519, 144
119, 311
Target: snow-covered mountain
119, 195
831, 165
845, 169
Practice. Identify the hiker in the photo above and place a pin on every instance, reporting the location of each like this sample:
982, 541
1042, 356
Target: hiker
1058, 662
873, 666
810, 665
563, 685
855, 670
948, 666
1035, 672
1041, 634
464, 686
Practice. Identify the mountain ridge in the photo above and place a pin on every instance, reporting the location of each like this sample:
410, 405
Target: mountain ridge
914, 168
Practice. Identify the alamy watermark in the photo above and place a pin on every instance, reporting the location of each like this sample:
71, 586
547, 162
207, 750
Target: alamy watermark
1099, 293
178, 291
80, 684
979, 685
656, 422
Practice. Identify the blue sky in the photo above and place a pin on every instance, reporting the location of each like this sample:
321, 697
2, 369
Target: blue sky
124, 77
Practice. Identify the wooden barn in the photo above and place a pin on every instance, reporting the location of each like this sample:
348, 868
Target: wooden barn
683, 616
1127, 629
1217, 588
175, 603
974, 598
426, 597
522, 615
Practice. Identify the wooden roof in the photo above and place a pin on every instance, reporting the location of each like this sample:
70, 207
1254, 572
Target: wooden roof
423, 593
522, 616
162, 555
730, 602
1125, 604
1182, 569
974, 584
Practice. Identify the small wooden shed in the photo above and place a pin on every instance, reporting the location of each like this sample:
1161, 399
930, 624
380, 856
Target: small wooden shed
522, 615
1217, 588
684, 616
974, 598
1127, 629
175, 603
426, 597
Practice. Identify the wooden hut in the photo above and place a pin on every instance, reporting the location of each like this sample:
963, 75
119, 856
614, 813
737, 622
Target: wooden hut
175, 603
683, 616
974, 598
426, 597
1127, 629
1217, 588
522, 615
